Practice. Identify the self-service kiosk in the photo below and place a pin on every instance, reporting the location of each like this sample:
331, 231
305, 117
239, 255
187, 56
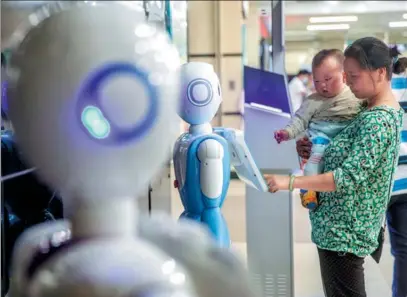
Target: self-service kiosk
157, 197
269, 222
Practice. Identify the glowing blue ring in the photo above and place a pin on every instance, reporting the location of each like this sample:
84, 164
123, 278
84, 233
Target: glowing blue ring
197, 82
89, 96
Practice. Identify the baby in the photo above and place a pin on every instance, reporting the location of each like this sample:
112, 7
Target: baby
323, 114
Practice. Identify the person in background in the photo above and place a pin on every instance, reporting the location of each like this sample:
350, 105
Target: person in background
397, 210
356, 185
310, 86
297, 88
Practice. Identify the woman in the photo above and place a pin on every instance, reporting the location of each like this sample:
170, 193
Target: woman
359, 168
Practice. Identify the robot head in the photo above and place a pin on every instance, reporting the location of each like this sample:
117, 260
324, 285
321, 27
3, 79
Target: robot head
200, 93
93, 94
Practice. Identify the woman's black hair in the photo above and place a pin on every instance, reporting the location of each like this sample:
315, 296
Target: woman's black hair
372, 54
400, 66
394, 52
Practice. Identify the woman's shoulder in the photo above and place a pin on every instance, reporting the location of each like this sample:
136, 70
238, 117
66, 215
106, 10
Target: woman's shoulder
382, 114
384, 119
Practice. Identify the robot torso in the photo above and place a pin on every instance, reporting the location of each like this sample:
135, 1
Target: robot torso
193, 188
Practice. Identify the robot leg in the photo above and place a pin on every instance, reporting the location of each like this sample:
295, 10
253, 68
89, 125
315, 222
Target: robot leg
213, 218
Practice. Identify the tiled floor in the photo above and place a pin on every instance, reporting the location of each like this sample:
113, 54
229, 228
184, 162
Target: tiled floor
307, 276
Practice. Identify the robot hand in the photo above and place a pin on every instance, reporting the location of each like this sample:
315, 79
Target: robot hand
215, 271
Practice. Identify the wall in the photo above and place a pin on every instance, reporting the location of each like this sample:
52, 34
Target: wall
300, 53
214, 36
253, 38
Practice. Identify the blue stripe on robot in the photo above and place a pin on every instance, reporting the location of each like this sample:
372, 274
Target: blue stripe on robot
197, 206
198, 82
96, 122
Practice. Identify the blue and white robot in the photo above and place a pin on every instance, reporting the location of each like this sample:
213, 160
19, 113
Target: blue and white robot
95, 122
204, 155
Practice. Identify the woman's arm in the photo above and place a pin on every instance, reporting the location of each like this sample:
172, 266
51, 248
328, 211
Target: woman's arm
320, 183
366, 154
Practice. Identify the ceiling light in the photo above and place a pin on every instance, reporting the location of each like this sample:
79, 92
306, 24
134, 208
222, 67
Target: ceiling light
405, 16
397, 24
334, 19
329, 27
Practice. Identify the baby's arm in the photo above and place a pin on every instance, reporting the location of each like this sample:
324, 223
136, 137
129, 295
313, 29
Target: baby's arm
281, 135
299, 122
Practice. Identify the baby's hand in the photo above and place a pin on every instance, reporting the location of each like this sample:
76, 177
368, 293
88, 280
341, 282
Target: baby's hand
281, 135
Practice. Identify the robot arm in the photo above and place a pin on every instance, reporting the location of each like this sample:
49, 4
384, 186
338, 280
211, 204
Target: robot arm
241, 158
38, 238
210, 154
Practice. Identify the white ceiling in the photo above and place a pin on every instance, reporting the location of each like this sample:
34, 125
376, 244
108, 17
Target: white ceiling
373, 18
336, 7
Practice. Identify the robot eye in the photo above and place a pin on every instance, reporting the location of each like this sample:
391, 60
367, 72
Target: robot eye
95, 118
200, 92
95, 122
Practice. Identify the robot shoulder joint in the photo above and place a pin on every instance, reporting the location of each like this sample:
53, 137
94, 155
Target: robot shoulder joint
210, 149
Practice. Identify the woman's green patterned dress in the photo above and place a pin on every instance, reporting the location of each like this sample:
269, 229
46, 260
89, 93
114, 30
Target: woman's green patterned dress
363, 160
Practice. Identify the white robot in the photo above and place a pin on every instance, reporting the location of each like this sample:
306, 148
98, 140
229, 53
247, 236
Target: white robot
203, 156
93, 93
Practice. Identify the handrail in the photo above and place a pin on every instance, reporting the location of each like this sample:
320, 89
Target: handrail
17, 174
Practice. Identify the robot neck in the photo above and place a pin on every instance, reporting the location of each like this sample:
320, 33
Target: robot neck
200, 129
115, 217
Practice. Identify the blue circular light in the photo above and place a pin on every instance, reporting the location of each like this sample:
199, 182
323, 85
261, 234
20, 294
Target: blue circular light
94, 119
193, 84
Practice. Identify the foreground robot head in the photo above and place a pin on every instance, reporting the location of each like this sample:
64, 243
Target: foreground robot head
93, 95
201, 93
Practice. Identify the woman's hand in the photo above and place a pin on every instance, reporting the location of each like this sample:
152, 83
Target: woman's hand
304, 147
277, 182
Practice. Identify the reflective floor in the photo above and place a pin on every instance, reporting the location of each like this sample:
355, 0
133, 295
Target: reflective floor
307, 276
